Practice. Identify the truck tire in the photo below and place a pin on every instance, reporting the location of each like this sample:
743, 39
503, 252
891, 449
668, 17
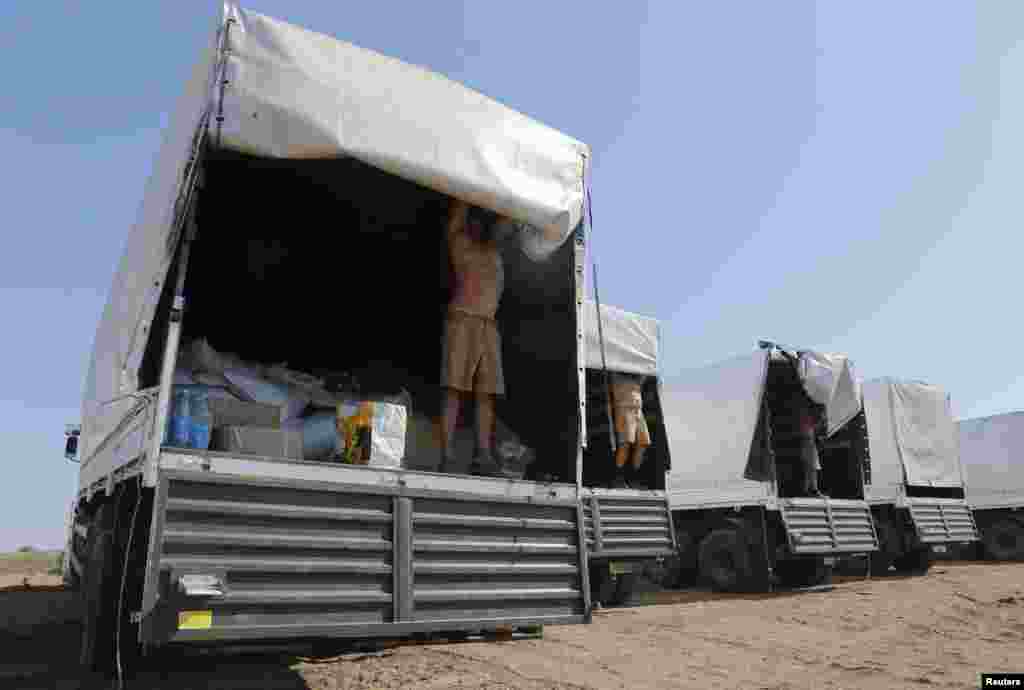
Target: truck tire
917, 561
880, 563
890, 546
681, 568
624, 589
602, 585
724, 561
803, 572
97, 595
1004, 541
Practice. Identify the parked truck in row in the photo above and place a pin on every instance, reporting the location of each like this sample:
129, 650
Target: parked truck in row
917, 488
292, 221
992, 453
629, 531
736, 488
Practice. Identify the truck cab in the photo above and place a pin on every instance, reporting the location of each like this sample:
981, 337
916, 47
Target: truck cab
735, 487
917, 492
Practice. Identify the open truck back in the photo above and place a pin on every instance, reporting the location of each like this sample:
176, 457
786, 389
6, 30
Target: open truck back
992, 457
734, 487
296, 214
628, 531
917, 482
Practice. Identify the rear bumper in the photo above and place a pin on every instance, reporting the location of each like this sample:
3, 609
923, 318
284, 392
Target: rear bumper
828, 527
293, 558
625, 525
940, 521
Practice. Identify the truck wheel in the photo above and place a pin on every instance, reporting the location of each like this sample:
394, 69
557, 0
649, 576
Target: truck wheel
602, 585
98, 592
916, 561
1004, 541
681, 567
624, 589
803, 572
724, 562
880, 562
889, 546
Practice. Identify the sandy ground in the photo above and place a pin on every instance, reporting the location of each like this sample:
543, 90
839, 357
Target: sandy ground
940, 631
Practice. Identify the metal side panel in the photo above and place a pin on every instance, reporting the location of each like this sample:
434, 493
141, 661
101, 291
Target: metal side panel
938, 520
626, 524
270, 559
504, 561
828, 526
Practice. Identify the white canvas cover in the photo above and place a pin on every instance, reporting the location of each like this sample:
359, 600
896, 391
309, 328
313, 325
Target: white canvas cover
293, 93
630, 340
992, 454
911, 423
830, 381
710, 418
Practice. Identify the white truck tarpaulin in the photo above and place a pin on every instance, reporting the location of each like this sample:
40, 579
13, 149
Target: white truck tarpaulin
630, 340
992, 457
916, 420
830, 381
293, 93
710, 418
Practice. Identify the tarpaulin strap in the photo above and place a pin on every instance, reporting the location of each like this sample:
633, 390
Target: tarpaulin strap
600, 320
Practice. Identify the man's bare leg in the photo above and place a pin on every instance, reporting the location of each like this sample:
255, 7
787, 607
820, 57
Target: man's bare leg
450, 417
484, 423
622, 454
638, 456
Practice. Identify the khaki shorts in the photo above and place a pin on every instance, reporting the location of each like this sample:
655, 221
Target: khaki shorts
631, 426
471, 362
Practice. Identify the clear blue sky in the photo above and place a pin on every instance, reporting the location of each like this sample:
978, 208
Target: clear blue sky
842, 176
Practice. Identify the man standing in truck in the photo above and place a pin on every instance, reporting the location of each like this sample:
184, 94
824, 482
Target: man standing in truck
809, 449
630, 426
471, 360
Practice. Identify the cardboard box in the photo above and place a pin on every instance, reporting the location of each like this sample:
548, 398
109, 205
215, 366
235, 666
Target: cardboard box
229, 412
262, 441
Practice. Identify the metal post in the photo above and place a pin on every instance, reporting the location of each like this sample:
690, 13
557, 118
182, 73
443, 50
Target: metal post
170, 356
604, 365
402, 565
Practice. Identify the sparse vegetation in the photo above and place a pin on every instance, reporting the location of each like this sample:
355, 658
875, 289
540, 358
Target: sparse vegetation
58, 566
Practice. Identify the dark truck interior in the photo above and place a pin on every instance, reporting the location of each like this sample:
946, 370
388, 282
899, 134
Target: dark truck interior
336, 266
844, 456
598, 458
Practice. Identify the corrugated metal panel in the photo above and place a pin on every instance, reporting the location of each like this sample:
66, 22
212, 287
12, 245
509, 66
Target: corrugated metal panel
302, 560
942, 520
627, 524
474, 560
828, 526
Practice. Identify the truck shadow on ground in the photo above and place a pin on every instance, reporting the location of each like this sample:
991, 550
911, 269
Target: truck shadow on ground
49, 659
40, 639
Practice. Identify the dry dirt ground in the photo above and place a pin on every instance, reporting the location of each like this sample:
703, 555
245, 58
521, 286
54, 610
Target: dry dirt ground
937, 631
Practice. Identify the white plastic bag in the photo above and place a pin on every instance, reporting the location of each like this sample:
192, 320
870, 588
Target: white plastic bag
387, 441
